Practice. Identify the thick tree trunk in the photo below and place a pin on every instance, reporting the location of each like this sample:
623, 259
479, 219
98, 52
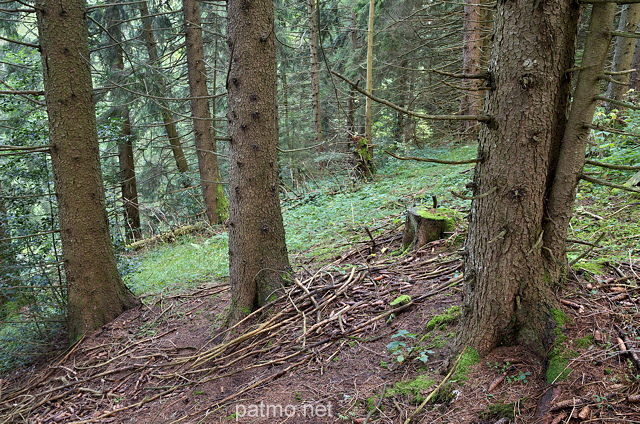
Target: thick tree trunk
96, 292
165, 111
507, 298
214, 199
258, 260
623, 54
471, 101
571, 158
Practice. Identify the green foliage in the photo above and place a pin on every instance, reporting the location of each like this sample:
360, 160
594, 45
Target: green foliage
406, 347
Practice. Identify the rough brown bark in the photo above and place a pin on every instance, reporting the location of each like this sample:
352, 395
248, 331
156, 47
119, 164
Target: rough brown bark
315, 71
623, 54
214, 200
96, 292
7, 258
126, 160
258, 260
571, 157
471, 101
165, 111
507, 299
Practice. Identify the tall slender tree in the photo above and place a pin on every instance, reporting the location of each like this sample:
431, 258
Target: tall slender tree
258, 260
162, 89
96, 291
214, 199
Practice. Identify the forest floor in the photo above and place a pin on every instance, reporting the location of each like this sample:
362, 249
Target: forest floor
364, 339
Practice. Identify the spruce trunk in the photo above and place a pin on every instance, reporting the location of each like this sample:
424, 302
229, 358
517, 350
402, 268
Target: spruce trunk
96, 292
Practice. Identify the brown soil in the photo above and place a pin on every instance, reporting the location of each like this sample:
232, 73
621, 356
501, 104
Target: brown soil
321, 354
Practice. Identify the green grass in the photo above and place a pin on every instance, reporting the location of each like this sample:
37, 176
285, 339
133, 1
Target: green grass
180, 265
318, 224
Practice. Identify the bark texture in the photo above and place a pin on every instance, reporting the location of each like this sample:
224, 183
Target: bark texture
213, 195
571, 157
96, 292
258, 260
623, 53
129, 185
315, 71
508, 300
471, 101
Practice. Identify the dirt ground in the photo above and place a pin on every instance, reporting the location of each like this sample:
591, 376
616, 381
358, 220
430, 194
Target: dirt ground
365, 339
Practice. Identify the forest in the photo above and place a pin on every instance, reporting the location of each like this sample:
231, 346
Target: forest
326, 211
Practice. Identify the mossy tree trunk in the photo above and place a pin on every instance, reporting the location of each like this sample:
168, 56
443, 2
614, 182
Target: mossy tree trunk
214, 199
96, 292
258, 260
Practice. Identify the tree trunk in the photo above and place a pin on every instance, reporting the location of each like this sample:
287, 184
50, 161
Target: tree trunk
368, 113
508, 300
571, 159
96, 292
214, 200
7, 256
129, 186
258, 260
167, 115
471, 101
623, 54
315, 71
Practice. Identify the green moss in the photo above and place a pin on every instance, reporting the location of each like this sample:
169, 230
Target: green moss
415, 387
448, 215
560, 318
557, 369
401, 300
441, 321
592, 267
469, 358
585, 342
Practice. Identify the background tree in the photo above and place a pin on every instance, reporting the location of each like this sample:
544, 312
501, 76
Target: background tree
258, 261
96, 292
205, 142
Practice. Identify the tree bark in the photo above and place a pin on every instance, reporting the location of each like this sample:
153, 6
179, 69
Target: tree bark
214, 199
471, 101
571, 158
7, 256
315, 72
368, 113
507, 298
258, 260
165, 111
126, 160
96, 292
623, 54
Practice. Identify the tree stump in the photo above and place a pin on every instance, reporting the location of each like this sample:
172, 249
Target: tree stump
423, 225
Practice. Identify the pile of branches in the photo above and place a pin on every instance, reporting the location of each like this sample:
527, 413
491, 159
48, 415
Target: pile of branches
337, 303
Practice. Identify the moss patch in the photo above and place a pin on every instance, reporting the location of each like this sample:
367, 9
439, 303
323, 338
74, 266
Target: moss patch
415, 387
448, 215
560, 357
440, 322
499, 411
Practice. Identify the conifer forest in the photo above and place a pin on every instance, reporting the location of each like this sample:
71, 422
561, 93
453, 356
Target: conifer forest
320, 211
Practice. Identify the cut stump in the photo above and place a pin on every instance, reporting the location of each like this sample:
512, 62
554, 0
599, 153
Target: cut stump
423, 225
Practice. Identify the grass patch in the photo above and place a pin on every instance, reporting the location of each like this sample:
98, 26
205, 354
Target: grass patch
181, 265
